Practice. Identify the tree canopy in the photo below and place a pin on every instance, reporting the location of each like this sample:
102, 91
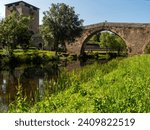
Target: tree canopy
14, 31
110, 41
61, 24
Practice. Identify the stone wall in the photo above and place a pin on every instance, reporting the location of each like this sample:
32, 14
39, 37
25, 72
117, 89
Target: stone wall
26, 9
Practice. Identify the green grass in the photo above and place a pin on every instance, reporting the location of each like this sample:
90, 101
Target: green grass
118, 86
19, 52
31, 56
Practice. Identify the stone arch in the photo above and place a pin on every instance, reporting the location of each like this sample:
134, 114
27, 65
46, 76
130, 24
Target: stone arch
135, 35
92, 32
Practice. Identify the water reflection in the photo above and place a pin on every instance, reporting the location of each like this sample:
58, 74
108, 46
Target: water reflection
3, 98
41, 88
4, 86
30, 77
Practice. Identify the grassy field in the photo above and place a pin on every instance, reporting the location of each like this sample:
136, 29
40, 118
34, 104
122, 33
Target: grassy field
121, 85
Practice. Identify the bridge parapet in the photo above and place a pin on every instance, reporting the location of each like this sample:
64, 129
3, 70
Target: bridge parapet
111, 24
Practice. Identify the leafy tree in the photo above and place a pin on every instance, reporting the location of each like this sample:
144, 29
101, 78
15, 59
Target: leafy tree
95, 38
120, 45
47, 36
112, 42
63, 24
14, 31
105, 39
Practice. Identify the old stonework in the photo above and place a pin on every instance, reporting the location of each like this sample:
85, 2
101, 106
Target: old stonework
136, 36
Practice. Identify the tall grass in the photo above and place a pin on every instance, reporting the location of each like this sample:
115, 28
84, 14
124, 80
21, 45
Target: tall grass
20, 104
118, 86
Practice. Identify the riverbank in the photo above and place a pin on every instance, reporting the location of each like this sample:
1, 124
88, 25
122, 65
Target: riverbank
31, 56
118, 86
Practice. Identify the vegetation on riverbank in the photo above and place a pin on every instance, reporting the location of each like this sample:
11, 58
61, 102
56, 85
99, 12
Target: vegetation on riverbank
118, 86
31, 56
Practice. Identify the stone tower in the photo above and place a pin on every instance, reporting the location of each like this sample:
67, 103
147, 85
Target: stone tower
25, 9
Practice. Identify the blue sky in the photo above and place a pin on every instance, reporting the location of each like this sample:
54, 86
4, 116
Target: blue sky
95, 11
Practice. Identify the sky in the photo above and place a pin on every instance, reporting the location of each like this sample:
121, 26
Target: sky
96, 11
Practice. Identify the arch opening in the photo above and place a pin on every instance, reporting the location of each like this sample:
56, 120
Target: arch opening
104, 42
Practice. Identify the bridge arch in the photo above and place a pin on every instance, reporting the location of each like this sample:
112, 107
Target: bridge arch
135, 35
93, 32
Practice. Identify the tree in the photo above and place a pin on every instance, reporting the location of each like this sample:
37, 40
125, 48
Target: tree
121, 45
112, 42
14, 30
63, 24
105, 39
95, 38
47, 36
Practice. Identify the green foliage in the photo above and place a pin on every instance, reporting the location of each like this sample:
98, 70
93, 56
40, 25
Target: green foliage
95, 38
112, 41
30, 56
47, 36
14, 30
147, 49
121, 85
20, 104
62, 24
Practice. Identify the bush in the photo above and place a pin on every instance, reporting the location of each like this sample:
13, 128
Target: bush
147, 49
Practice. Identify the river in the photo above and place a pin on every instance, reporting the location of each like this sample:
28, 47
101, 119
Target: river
31, 78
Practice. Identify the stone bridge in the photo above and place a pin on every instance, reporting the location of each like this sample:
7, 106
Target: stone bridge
135, 35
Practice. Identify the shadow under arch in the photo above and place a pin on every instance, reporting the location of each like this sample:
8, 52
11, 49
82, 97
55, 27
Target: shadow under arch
89, 36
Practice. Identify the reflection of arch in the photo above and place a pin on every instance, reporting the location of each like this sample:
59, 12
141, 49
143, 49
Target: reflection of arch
87, 38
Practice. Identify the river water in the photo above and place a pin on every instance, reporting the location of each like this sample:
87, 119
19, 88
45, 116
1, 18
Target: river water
31, 78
